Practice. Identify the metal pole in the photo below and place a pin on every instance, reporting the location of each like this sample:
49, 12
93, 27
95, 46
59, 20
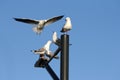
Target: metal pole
51, 72
64, 68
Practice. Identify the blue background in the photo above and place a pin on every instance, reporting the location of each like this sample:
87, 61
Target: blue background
95, 38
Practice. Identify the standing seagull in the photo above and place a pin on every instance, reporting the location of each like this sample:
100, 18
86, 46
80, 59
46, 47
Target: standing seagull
67, 26
55, 39
40, 24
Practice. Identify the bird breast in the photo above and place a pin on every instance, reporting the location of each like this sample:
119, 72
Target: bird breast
41, 24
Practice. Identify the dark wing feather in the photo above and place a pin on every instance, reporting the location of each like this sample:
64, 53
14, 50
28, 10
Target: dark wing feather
29, 21
54, 19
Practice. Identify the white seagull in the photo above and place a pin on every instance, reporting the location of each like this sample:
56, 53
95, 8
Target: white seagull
55, 39
40, 24
44, 50
49, 53
67, 26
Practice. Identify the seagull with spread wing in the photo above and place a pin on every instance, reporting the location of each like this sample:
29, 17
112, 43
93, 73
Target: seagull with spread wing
49, 53
67, 26
42, 50
40, 24
45, 51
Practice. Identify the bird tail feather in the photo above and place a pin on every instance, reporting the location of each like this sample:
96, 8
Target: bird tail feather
37, 30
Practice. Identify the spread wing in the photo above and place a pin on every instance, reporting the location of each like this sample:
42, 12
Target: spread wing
54, 19
25, 20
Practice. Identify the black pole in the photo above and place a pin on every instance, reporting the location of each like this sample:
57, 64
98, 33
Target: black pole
51, 72
64, 68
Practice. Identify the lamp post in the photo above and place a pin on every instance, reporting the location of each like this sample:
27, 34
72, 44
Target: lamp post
64, 68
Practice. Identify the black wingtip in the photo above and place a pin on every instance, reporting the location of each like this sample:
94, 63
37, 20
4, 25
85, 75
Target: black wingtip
62, 16
14, 18
62, 31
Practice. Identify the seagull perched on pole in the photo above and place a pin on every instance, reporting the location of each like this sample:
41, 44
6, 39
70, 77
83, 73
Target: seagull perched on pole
67, 26
55, 39
44, 50
40, 24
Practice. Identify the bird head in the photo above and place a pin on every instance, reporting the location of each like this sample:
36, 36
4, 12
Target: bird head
54, 37
67, 18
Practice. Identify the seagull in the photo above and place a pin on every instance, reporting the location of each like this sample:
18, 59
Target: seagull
67, 26
49, 53
39, 24
42, 50
45, 51
55, 39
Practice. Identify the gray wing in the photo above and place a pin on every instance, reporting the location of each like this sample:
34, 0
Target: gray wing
54, 19
29, 21
41, 50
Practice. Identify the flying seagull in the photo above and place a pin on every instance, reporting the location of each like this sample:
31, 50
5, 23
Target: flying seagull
39, 24
55, 39
67, 26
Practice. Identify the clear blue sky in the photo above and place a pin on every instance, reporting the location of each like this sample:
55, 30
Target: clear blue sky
95, 38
